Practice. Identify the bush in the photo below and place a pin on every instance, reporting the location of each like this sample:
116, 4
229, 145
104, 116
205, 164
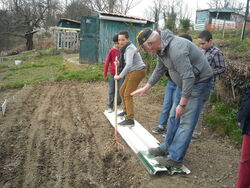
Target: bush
185, 25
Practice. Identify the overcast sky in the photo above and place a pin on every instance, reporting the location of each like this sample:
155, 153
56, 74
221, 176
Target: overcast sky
193, 5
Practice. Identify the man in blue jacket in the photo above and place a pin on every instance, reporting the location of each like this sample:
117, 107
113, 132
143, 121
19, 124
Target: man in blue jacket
189, 69
244, 123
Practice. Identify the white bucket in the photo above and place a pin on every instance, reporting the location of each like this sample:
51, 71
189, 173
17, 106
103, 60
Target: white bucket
18, 62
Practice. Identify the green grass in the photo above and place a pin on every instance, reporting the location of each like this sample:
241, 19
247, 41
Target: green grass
43, 65
237, 46
89, 73
223, 119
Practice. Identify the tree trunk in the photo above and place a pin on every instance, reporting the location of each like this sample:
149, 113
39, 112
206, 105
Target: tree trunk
29, 41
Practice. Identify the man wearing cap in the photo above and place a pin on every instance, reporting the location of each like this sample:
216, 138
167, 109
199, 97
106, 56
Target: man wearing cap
189, 69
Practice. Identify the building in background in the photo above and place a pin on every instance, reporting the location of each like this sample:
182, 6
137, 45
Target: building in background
98, 30
66, 34
216, 19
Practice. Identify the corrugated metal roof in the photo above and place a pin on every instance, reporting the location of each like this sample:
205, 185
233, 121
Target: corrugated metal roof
218, 10
123, 16
70, 20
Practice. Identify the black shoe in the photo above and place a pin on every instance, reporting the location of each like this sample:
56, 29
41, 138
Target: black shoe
158, 130
164, 161
157, 152
127, 122
122, 114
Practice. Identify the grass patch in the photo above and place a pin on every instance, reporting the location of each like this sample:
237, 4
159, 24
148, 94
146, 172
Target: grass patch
223, 119
238, 46
44, 65
88, 73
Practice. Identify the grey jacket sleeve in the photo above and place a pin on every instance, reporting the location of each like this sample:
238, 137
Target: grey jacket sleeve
180, 58
159, 70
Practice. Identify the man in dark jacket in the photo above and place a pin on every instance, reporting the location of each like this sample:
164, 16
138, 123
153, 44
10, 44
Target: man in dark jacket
244, 123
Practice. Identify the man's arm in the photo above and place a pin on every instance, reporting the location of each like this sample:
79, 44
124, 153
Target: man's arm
159, 70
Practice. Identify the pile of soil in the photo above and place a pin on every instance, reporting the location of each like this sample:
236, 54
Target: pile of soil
55, 135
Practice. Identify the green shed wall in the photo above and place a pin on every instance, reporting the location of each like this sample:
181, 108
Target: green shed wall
202, 17
109, 28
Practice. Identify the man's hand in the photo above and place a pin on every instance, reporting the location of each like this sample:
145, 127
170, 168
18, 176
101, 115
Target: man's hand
179, 111
117, 77
238, 124
138, 92
141, 91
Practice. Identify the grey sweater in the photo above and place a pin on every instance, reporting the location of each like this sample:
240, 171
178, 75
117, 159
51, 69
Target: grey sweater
133, 60
184, 61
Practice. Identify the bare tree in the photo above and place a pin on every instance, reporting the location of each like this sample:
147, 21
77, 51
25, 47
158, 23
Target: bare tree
51, 15
154, 12
123, 6
23, 18
76, 9
102, 5
112, 6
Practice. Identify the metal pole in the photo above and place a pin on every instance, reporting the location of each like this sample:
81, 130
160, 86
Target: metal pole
245, 21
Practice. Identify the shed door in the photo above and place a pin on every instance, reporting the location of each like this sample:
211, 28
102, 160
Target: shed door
89, 40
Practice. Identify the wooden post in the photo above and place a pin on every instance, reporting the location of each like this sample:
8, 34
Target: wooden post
245, 21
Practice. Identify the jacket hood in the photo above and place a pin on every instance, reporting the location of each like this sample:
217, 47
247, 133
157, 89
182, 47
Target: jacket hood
166, 37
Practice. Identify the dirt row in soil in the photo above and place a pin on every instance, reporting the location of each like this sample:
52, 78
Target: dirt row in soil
54, 135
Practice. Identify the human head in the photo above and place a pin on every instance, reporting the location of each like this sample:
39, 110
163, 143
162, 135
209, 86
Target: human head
123, 38
186, 36
115, 40
149, 40
205, 40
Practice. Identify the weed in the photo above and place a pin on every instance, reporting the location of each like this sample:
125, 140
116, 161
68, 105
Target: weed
223, 119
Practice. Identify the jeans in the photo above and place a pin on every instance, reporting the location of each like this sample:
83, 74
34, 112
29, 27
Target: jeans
179, 134
169, 96
111, 91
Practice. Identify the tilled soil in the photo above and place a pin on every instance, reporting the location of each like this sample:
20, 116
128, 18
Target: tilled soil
55, 135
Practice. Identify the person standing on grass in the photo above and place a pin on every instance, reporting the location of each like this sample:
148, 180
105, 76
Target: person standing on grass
135, 71
189, 69
110, 63
171, 92
243, 180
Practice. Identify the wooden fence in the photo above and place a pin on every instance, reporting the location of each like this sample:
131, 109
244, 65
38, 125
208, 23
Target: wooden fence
66, 38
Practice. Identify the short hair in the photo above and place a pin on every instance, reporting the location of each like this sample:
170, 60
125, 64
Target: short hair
125, 33
115, 38
186, 36
206, 35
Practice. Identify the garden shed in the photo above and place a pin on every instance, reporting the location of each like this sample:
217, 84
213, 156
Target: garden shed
98, 30
68, 23
215, 19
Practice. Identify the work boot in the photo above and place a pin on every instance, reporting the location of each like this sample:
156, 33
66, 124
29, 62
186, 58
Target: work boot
164, 161
122, 114
127, 123
158, 130
157, 152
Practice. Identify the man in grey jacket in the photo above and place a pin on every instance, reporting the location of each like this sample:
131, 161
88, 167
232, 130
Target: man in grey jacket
189, 69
